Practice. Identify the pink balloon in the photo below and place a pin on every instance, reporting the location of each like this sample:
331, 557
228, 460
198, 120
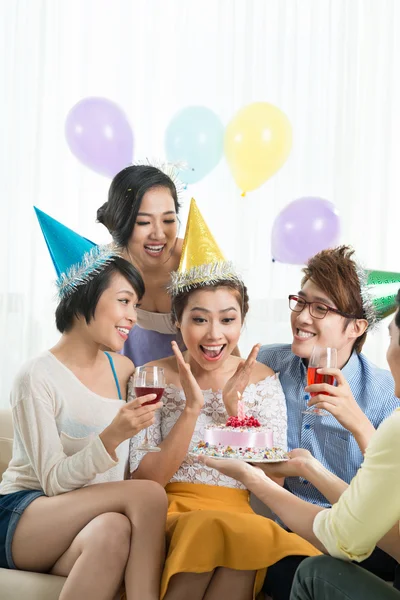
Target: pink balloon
99, 135
303, 228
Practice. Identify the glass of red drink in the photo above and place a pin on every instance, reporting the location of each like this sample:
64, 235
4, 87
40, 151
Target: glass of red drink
321, 358
149, 380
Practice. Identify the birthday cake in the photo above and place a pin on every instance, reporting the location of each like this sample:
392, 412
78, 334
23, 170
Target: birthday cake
241, 437
239, 433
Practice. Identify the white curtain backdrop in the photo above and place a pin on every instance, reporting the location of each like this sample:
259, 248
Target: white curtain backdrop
331, 65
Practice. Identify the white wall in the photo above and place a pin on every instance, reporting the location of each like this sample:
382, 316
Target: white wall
332, 66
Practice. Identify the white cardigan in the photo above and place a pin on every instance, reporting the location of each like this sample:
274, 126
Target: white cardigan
57, 421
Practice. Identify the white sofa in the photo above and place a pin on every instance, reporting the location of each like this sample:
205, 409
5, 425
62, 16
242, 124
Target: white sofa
22, 585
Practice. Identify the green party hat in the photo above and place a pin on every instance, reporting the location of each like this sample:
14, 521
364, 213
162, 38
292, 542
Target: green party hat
379, 290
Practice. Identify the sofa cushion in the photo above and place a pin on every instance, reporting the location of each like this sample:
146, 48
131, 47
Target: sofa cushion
6, 424
6, 446
18, 585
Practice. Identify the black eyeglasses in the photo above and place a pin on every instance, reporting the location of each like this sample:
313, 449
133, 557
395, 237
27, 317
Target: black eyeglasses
318, 310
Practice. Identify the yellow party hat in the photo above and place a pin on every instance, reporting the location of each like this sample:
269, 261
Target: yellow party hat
202, 262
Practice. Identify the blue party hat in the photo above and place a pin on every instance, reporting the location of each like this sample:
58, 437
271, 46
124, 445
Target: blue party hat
76, 259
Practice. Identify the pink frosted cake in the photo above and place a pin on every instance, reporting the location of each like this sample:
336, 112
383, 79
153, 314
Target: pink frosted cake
240, 438
239, 433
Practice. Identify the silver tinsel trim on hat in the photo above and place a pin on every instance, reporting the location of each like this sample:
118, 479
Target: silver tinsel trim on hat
209, 274
367, 299
93, 262
170, 169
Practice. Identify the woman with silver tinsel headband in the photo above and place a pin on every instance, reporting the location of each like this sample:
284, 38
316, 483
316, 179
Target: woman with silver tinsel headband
72, 425
142, 216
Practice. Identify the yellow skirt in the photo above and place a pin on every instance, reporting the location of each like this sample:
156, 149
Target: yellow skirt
212, 526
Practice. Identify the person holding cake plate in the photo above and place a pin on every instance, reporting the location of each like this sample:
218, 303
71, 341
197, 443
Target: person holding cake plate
216, 543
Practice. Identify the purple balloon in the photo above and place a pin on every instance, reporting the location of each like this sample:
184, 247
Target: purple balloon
303, 228
99, 135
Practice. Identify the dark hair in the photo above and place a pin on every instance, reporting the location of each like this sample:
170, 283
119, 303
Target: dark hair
84, 299
335, 272
397, 317
125, 196
180, 301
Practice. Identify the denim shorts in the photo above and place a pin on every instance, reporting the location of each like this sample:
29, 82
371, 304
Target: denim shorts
11, 508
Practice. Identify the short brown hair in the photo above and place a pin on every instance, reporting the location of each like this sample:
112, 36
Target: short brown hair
335, 272
180, 301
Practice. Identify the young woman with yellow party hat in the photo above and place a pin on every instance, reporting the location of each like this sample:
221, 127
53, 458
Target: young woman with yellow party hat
217, 546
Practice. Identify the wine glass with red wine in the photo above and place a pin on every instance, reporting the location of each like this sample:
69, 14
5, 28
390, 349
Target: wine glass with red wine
321, 358
149, 380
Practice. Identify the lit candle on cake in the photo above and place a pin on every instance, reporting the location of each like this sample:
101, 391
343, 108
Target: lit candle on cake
240, 408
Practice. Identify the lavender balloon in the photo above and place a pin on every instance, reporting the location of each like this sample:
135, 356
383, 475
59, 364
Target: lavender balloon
99, 135
303, 228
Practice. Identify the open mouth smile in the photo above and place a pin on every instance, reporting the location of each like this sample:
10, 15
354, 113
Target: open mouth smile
301, 334
212, 353
154, 249
123, 332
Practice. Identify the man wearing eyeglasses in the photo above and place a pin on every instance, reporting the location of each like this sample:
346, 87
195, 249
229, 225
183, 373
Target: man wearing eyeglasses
328, 311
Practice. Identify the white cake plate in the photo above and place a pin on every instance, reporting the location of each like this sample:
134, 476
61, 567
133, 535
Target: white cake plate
248, 460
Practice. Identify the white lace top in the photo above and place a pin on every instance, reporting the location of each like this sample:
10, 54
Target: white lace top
264, 400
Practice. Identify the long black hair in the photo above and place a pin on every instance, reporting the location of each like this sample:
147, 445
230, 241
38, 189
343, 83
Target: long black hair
125, 196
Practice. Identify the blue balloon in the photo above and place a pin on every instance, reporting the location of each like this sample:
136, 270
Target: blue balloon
195, 136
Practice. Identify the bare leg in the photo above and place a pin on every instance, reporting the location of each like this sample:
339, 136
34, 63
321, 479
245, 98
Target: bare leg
232, 584
49, 526
188, 585
214, 585
101, 549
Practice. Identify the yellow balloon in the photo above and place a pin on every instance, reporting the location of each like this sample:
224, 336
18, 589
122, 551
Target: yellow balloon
257, 143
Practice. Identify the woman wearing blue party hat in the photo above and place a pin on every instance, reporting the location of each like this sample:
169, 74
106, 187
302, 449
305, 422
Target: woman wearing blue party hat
72, 429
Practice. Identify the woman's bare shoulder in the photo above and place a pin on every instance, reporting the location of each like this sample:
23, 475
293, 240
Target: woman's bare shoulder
168, 364
123, 365
178, 246
170, 369
177, 252
260, 372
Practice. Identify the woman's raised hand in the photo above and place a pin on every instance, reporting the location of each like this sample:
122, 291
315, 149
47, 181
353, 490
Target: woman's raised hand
236, 385
193, 393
